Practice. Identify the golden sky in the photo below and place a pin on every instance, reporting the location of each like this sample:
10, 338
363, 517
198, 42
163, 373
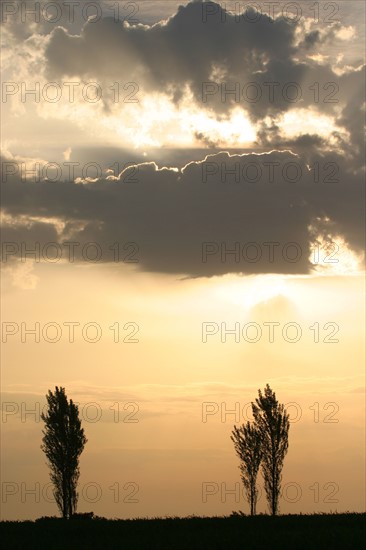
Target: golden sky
164, 354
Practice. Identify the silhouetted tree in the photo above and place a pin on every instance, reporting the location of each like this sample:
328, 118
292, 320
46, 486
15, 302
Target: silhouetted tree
272, 422
63, 443
248, 447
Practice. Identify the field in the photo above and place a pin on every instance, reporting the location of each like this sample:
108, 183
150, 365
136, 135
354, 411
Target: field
326, 531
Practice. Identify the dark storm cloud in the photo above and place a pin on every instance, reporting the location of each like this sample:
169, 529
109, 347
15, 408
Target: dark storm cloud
311, 39
177, 50
352, 116
182, 51
170, 214
264, 61
23, 19
349, 104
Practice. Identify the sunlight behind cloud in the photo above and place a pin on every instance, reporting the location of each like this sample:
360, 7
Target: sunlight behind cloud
309, 121
233, 131
334, 257
251, 291
330, 253
156, 121
183, 223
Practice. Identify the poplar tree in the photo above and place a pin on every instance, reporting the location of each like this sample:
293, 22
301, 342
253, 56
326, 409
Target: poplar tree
272, 422
63, 442
248, 447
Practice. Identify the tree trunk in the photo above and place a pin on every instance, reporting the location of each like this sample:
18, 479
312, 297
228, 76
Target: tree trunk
64, 498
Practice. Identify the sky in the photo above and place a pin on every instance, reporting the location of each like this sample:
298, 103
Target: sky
182, 195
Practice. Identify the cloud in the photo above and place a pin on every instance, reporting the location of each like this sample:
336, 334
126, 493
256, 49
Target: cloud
67, 154
169, 212
186, 221
193, 63
218, 62
183, 51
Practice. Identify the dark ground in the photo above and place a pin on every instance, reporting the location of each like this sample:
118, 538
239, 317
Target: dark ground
324, 531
